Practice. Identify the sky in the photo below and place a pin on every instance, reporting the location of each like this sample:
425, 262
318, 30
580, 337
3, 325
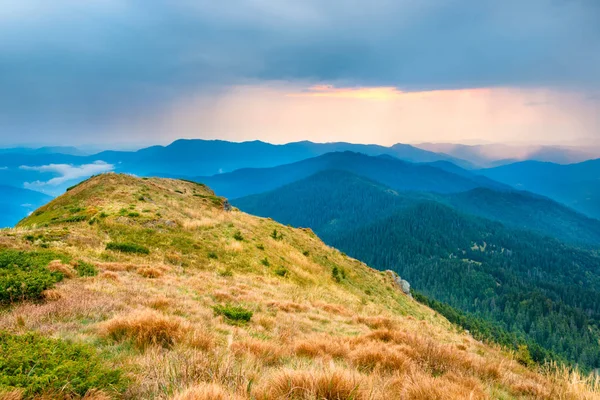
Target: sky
117, 73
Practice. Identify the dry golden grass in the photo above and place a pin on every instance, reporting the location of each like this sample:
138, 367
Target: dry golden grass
310, 384
64, 269
12, 395
145, 328
309, 338
205, 391
149, 272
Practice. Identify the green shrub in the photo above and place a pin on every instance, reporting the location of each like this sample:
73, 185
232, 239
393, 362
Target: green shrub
226, 273
133, 214
53, 368
265, 262
75, 218
260, 246
335, 274
233, 313
127, 248
24, 276
213, 255
306, 253
86, 269
281, 271
523, 356
238, 236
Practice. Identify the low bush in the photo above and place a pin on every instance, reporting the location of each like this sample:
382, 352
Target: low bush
53, 368
233, 313
75, 218
281, 271
127, 248
24, 276
238, 236
86, 269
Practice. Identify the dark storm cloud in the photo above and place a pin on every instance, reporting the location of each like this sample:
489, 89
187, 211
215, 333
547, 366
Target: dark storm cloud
83, 63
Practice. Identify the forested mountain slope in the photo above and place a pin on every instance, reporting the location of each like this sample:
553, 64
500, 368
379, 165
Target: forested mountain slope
536, 287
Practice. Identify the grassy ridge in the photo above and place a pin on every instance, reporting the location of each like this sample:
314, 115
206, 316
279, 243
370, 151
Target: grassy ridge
203, 316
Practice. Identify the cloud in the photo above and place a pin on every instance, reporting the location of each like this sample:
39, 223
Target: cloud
74, 66
3, 168
368, 93
66, 172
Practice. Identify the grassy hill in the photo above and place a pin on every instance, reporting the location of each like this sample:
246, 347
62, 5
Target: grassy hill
531, 285
152, 288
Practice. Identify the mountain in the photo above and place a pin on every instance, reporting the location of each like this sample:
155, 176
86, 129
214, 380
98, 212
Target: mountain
479, 266
182, 158
576, 185
331, 201
154, 288
490, 155
526, 210
74, 151
395, 173
208, 157
16, 204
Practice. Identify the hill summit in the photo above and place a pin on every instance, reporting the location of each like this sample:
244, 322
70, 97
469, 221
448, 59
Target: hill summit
157, 289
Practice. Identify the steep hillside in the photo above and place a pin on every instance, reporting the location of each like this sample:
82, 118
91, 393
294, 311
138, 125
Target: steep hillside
17, 203
159, 291
527, 283
390, 171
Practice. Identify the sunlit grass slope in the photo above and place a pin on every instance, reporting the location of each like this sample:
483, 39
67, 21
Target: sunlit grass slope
156, 290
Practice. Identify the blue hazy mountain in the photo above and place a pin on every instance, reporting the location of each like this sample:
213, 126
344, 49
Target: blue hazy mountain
390, 171
208, 157
332, 201
576, 185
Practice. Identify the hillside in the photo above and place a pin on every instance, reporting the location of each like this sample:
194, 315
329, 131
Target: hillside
395, 173
527, 283
160, 292
16, 203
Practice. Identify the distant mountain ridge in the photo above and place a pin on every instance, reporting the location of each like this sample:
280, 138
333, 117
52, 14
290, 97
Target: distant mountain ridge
395, 173
576, 185
496, 154
331, 200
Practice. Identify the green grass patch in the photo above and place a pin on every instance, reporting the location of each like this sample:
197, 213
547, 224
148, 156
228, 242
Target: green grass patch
53, 368
127, 248
233, 313
86, 269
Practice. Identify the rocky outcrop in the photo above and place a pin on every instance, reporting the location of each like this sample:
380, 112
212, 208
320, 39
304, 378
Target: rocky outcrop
400, 283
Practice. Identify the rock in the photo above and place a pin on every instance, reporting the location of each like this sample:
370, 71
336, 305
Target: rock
401, 283
227, 206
